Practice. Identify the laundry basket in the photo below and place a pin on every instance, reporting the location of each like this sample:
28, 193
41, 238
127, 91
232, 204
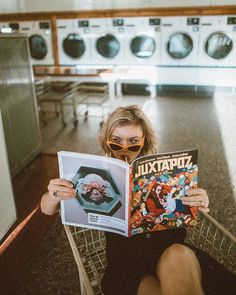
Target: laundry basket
89, 248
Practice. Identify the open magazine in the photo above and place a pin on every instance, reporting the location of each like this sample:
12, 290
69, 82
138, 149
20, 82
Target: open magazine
128, 199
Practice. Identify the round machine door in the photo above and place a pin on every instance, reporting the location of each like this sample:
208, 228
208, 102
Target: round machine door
38, 46
179, 45
218, 45
143, 46
108, 46
73, 45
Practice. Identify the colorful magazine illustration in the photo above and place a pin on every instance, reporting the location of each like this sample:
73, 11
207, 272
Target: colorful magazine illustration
129, 199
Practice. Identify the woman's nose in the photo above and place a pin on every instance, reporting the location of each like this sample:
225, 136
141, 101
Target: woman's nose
124, 142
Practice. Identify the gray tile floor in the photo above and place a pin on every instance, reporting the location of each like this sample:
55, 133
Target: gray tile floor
181, 121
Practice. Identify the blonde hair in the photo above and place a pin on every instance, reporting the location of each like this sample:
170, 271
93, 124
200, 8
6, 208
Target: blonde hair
129, 115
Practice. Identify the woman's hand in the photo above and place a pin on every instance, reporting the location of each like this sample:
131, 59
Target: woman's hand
60, 189
197, 197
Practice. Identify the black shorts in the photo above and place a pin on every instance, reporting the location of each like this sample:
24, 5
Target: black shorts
129, 260
216, 279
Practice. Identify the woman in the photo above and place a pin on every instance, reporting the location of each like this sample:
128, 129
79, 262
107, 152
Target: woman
154, 263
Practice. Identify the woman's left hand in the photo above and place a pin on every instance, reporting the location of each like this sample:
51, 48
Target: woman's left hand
197, 197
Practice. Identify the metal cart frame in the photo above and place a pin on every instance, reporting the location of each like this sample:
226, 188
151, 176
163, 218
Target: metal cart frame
93, 94
58, 93
89, 249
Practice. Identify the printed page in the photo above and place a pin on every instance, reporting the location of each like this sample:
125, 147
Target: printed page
102, 185
159, 183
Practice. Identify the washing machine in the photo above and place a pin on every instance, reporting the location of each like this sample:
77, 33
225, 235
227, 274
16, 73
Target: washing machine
217, 46
40, 41
107, 41
143, 40
73, 37
180, 38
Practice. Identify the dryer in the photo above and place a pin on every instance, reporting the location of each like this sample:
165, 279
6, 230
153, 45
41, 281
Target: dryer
217, 41
180, 41
73, 37
40, 41
143, 40
106, 41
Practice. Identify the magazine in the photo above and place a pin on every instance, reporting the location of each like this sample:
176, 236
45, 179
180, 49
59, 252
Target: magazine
129, 199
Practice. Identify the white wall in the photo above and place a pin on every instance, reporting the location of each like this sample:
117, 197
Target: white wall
12, 6
7, 205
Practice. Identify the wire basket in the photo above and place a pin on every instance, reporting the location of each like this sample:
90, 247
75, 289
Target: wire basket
89, 249
210, 236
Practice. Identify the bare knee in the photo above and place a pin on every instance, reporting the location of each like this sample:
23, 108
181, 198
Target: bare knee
183, 269
178, 252
149, 285
176, 256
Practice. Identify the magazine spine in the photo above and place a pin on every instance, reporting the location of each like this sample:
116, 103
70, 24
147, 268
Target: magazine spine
130, 199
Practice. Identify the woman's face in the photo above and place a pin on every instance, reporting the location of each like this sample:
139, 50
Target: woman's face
127, 135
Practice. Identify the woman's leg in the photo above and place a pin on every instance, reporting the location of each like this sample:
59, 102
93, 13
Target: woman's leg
149, 285
178, 272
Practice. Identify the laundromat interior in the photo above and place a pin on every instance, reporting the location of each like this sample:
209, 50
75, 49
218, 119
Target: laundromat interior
65, 66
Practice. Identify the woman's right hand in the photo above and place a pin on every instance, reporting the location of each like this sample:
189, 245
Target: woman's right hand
58, 189
61, 189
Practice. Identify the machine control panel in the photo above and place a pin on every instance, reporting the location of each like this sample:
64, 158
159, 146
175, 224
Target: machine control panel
118, 22
231, 21
83, 23
44, 25
193, 21
14, 26
154, 22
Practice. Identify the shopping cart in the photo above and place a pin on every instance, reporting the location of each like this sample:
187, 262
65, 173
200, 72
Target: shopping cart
89, 249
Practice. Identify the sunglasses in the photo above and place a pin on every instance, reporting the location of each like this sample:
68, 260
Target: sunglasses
119, 147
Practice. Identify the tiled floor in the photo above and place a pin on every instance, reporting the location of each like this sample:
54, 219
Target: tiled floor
181, 121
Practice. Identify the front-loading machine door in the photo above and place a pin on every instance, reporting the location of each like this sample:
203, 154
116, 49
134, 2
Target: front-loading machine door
38, 47
73, 45
108, 46
143, 46
179, 45
218, 45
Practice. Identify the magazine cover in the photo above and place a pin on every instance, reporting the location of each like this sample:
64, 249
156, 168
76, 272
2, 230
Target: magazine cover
129, 199
102, 186
159, 183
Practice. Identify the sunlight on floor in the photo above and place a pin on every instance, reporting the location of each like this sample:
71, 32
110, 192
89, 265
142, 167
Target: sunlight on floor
227, 121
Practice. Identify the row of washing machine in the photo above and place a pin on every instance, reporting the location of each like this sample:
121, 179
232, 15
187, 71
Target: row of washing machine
160, 41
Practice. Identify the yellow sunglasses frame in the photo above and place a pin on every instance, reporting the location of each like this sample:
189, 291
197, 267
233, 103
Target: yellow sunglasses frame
125, 147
